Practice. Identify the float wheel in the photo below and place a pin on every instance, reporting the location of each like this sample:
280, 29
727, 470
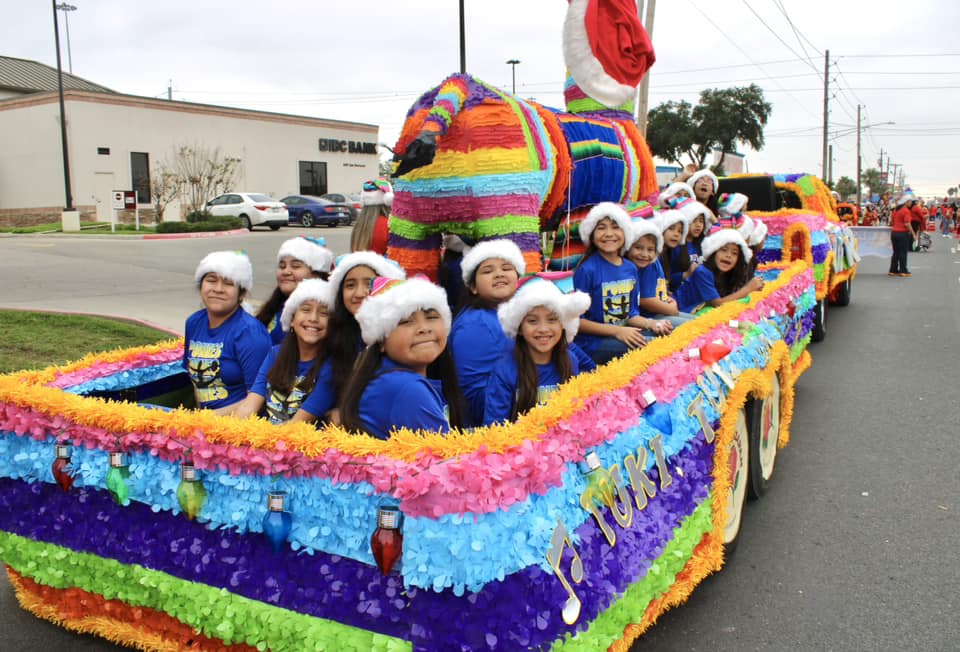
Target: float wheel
819, 331
764, 422
738, 460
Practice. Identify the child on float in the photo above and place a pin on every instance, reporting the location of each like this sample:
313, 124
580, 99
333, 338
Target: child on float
371, 230
541, 322
490, 273
674, 258
295, 381
699, 220
757, 237
730, 208
612, 326
673, 193
705, 187
223, 344
405, 326
350, 280
653, 299
724, 275
298, 259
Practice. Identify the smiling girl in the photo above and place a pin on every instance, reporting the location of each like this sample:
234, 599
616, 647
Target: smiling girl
723, 276
543, 321
490, 273
296, 371
223, 345
298, 259
653, 300
405, 325
612, 325
673, 257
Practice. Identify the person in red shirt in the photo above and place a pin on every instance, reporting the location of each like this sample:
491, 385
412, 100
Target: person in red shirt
902, 234
918, 219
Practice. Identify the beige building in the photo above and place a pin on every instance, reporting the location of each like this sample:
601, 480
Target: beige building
115, 140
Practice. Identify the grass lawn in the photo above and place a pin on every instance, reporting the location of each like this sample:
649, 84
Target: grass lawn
98, 228
33, 340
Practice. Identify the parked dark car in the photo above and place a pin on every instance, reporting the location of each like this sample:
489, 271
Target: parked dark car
307, 210
352, 201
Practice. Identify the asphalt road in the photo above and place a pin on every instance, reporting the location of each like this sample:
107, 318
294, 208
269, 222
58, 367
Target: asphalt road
853, 548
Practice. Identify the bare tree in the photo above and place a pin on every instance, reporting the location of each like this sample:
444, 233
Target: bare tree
167, 187
205, 172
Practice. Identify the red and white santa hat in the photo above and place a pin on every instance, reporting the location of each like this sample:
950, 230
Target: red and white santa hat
310, 289
392, 300
673, 216
673, 191
718, 239
700, 174
535, 291
501, 248
377, 192
380, 265
607, 209
311, 251
233, 265
642, 227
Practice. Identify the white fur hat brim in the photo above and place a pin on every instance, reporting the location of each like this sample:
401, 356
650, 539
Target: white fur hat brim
746, 228
695, 209
734, 205
587, 71
504, 249
381, 312
233, 265
539, 292
608, 209
641, 228
758, 235
311, 289
376, 198
699, 174
672, 191
671, 217
315, 256
713, 242
381, 267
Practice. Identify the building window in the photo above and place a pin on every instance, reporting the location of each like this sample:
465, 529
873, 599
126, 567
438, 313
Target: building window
103, 151
140, 174
313, 178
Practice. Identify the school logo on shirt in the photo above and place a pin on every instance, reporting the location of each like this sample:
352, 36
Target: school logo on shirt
203, 366
544, 392
662, 293
616, 301
281, 408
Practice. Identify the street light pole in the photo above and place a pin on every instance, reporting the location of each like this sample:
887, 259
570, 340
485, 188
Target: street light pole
463, 42
66, 9
858, 158
513, 73
63, 117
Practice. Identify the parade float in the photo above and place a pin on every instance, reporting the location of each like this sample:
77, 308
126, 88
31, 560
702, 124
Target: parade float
127, 514
802, 224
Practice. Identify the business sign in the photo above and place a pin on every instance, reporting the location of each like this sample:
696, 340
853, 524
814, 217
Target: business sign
349, 146
124, 200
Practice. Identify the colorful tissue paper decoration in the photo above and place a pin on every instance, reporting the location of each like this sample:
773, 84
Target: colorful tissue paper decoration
600, 488
714, 352
277, 522
190, 493
59, 469
386, 542
481, 510
117, 478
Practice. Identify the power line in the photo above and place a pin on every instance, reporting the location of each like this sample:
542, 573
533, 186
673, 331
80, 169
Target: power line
772, 31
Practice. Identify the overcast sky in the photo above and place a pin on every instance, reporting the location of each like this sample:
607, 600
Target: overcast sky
368, 60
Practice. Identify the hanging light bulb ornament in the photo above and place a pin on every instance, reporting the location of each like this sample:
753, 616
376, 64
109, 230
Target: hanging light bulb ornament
117, 478
191, 493
386, 542
59, 468
600, 486
657, 414
277, 522
791, 309
714, 351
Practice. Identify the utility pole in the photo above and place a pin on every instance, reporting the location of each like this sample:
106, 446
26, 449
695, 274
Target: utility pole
830, 166
858, 157
826, 108
644, 103
463, 43
63, 117
893, 179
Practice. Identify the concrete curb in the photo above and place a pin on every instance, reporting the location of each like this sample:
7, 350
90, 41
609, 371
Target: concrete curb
132, 320
183, 236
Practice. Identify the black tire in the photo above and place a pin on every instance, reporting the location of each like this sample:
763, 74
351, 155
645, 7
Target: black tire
737, 498
763, 420
819, 321
843, 296
247, 224
275, 227
306, 219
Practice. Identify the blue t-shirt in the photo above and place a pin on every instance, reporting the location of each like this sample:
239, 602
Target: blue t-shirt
399, 397
502, 386
652, 285
223, 362
280, 408
694, 252
700, 287
477, 341
274, 328
611, 289
323, 398
676, 271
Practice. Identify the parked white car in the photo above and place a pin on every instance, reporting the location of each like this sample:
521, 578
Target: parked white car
254, 209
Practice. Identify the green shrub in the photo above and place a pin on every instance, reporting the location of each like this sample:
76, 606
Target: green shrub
211, 224
199, 216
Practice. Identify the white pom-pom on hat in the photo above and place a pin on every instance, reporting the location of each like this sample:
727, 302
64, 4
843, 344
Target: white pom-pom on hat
314, 254
607, 209
540, 292
393, 300
502, 248
232, 265
311, 289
